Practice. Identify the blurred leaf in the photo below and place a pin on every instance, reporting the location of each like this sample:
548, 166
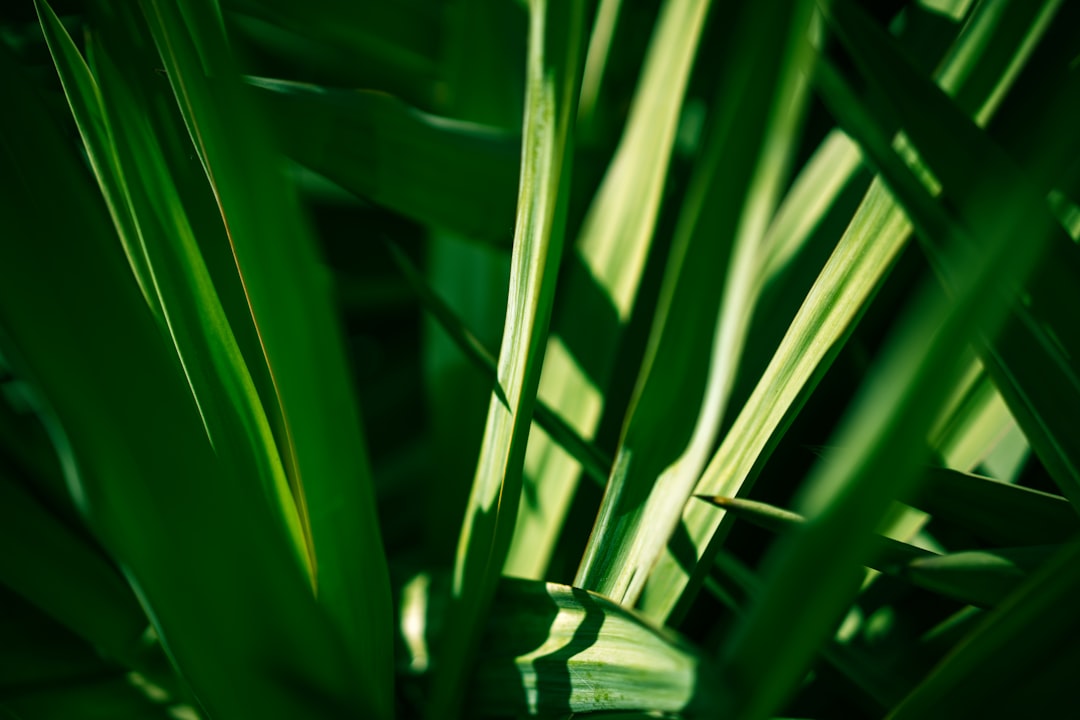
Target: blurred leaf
37, 651
1031, 360
106, 696
388, 47
884, 435
555, 39
291, 301
997, 512
596, 60
205, 559
978, 577
975, 420
448, 173
595, 464
1025, 651
826, 318
80, 589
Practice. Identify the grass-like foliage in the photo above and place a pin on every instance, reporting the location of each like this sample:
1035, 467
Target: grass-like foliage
456, 359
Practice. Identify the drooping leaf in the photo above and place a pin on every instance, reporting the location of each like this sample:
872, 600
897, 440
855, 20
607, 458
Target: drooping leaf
456, 175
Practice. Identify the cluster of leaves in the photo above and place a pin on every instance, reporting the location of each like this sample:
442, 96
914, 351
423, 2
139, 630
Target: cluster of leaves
730, 345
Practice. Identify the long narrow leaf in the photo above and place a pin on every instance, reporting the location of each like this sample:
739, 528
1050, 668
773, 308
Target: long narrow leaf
826, 318
1036, 343
884, 436
699, 330
555, 38
598, 296
204, 557
292, 306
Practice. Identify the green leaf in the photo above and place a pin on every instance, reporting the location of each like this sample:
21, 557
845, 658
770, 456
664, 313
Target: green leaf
84, 99
291, 301
81, 589
451, 174
1000, 513
204, 557
699, 328
215, 368
1031, 361
1025, 651
598, 294
36, 650
826, 318
383, 46
551, 648
555, 38
591, 459
883, 437
978, 577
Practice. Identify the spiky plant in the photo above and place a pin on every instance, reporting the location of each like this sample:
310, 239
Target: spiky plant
731, 345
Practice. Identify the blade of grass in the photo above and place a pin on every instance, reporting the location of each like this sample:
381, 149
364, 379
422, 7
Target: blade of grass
84, 99
555, 38
845, 498
1037, 342
885, 433
181, 291
699, 329
123, 31
612, 246
977, 577
482, 62
849, 279
207, 562
216, 370
292, 305
596, 58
